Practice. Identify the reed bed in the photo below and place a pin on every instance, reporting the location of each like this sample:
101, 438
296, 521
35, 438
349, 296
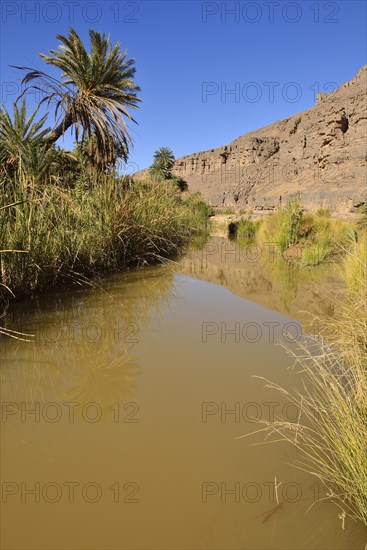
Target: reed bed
50, 234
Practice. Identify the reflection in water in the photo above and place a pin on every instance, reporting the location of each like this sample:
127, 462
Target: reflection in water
90, 333
119, 422
260, 274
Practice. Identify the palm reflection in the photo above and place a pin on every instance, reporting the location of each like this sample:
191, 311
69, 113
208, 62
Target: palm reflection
86, 346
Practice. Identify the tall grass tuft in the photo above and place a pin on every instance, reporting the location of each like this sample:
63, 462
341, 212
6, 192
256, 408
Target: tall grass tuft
244, 230
331, 432
282, 227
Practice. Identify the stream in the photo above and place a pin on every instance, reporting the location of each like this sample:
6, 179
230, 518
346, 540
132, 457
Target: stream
123, 415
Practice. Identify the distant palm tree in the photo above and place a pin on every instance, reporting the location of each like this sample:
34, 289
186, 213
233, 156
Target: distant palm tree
94, 93
164, 160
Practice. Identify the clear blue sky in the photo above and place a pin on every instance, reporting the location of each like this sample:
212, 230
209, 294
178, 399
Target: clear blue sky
273, 55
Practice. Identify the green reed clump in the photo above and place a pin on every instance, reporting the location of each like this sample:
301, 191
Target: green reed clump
201, 210
317, 237
282, 227
325, 239
51, 233
246, 229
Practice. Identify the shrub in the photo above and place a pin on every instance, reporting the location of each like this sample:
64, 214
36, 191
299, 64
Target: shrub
318, 252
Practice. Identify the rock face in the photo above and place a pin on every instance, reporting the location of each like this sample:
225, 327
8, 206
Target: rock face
318, 155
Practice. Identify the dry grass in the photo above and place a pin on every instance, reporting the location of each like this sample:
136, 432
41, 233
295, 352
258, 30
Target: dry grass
331, 433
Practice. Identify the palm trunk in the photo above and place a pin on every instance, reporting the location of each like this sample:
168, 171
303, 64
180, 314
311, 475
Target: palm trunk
60, 129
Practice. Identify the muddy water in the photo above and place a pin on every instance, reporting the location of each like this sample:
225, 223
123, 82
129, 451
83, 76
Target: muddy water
121, 417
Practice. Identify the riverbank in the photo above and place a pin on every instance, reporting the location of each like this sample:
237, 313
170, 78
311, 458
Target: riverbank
52, 234
304, 237
221, 220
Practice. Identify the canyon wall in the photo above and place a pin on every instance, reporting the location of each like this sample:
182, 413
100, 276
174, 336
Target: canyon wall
318, 155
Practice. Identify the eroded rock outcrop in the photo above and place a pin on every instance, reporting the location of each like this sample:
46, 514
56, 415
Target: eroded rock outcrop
318, 154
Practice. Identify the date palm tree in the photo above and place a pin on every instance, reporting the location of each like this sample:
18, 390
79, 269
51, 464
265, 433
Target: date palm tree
163, 162
93, 95
23, 149
18, 136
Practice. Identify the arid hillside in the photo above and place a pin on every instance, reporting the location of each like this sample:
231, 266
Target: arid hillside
318, 154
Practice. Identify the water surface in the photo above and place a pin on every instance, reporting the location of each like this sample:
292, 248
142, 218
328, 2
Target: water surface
120, 420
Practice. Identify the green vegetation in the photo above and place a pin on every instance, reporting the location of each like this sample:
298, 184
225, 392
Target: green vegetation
200, 211
244, 230
284, 226
327, 240
362, 211
355, 264
161, 169
307, 238
50, 234
163, 162
68, 215
225, 211
323, 212
229, 210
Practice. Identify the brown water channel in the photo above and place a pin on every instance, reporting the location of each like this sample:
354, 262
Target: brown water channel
121, 417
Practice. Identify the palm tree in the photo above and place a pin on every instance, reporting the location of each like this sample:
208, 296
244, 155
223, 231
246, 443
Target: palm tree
164, 160
23, 148
94, 93
19, 136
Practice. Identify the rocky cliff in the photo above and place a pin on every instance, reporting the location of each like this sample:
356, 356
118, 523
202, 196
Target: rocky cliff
318, 154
